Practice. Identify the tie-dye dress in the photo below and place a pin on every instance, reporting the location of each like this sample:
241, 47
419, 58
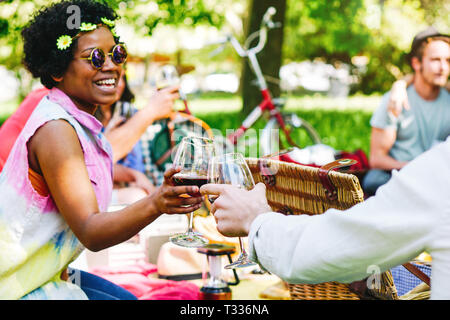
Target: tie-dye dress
36, 244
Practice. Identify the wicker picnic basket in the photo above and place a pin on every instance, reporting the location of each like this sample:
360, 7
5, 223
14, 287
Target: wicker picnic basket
297, 189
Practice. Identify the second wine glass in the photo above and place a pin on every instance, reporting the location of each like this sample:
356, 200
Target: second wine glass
167, 75
231, 168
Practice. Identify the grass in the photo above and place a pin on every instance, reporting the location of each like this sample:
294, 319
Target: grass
341, 129
228, 102
342, 123
357, 102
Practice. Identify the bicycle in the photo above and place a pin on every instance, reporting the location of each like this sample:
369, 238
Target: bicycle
277, 119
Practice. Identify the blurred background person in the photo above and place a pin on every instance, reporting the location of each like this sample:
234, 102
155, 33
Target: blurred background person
399, 137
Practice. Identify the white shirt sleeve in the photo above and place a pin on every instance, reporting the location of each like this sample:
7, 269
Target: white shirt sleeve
406, 217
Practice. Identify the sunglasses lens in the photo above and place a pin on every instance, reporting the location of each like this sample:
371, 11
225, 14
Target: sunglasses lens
98, 58
119, 54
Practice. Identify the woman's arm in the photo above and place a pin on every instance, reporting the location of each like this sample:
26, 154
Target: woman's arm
124, 137
55, 151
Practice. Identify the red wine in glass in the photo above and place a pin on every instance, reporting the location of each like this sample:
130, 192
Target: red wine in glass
181, 179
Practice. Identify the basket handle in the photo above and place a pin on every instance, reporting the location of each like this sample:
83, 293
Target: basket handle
330, 189
418, 273
170, 127
267, 175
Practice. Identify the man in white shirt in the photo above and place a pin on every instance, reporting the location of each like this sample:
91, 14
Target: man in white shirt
408, 215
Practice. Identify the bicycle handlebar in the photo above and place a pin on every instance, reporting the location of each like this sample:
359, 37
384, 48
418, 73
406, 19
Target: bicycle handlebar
266, 23
267, 18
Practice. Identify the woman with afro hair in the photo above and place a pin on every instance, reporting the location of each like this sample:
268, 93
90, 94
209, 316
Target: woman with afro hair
56, 184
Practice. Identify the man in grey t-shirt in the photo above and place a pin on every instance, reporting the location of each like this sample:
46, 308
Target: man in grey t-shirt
396, 140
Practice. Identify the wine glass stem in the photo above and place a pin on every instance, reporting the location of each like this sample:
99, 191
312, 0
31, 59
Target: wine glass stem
191, 218
241, 245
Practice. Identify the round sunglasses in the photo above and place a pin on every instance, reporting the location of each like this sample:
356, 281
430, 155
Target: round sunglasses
97, 57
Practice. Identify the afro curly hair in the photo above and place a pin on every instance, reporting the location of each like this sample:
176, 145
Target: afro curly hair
41, 55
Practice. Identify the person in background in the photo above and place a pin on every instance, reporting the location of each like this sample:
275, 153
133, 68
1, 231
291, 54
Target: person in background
408, 215
399, 136
11, 128
56, 184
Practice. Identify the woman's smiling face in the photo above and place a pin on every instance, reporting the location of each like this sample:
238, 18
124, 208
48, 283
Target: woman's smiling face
85, 85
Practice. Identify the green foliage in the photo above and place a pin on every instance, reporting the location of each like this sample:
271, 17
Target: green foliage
144, 15
380, 30
379, 75
170, 12
3, 27
333, 30
3, 119
13, 17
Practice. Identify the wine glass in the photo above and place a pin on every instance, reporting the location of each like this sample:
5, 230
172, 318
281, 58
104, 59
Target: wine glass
193, 156
167, 75
231, 168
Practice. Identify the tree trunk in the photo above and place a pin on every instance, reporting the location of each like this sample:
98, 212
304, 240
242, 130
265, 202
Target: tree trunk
269, 58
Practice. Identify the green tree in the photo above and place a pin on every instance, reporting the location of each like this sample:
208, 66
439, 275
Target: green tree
391, 37
380, 30
333, 30
143, 15
14, 14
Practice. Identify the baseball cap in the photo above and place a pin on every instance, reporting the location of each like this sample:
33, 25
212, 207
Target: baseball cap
422, 36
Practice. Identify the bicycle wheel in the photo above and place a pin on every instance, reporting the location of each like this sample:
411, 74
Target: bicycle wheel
302, 133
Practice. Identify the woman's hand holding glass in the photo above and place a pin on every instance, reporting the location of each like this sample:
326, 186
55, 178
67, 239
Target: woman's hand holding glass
167, 77
161, 103
193, 156
167, 198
